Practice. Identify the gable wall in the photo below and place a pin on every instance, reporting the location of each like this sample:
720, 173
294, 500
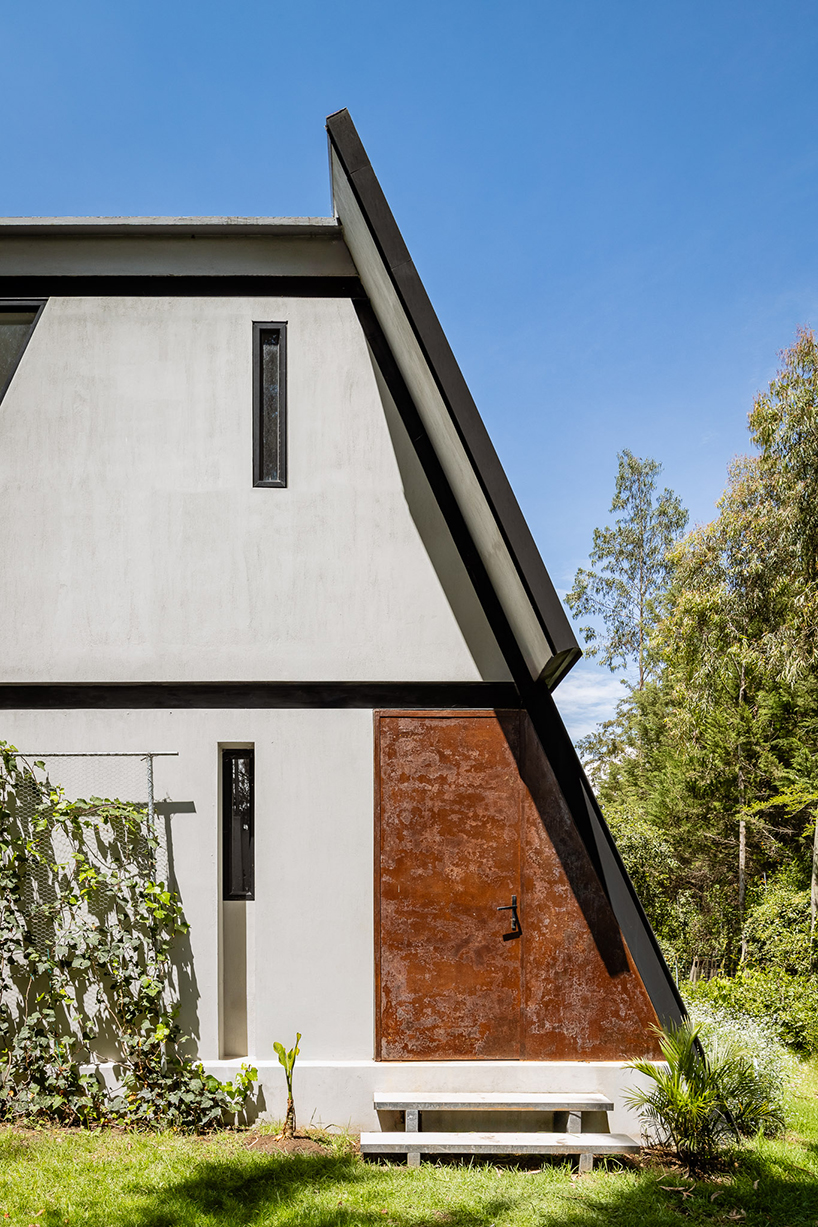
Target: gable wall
136, 548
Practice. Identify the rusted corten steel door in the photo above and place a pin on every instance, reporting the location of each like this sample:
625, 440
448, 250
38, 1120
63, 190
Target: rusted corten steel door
468, 817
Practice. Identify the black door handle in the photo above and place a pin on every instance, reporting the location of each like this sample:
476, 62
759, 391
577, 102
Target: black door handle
516, 927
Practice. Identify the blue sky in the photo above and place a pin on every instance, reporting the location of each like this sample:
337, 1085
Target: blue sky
613, 205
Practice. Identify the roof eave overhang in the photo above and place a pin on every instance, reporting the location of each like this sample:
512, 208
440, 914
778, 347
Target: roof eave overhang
447, 410
178, 227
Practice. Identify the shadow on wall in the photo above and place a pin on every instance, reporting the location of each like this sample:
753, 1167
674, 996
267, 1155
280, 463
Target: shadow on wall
560, 828
184, 973
441, 549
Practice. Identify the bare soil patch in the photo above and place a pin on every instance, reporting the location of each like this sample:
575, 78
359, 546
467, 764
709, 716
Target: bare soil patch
298, 1145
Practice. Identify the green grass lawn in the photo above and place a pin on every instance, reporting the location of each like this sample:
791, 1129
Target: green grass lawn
137, 1180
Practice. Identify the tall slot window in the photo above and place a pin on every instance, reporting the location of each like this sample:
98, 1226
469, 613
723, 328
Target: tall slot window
237, 824
269, 404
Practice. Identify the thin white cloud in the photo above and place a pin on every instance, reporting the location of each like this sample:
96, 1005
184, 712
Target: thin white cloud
588, 696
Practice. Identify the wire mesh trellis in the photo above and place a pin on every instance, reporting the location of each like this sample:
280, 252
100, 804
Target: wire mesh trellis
125, 778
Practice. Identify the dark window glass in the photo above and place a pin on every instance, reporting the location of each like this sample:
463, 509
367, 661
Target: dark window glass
15, 329
269, 444
237, 824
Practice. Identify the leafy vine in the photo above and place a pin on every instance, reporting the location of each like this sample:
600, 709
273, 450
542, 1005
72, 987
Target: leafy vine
86, 933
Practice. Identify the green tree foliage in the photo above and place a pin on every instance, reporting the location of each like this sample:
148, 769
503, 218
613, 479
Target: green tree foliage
789, 1002
784, 426
629, 566
708, 774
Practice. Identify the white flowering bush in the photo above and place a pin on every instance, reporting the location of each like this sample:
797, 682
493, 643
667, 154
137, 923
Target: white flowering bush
723, 1032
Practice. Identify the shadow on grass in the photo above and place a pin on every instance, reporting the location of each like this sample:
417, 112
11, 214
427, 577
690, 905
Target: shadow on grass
272, 1189
290, 1191
787, 1192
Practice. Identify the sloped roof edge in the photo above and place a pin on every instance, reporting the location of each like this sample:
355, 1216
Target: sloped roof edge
352, 172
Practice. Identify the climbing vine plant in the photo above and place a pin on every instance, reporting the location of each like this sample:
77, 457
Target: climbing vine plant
86, 932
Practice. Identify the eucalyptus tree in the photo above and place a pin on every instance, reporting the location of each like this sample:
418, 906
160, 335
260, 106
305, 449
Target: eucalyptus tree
629, 567
784, 426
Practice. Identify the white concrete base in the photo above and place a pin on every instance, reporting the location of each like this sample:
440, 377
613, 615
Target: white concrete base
342, 1093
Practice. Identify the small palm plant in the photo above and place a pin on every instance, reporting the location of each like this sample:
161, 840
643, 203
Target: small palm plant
287, 1059
698, 1099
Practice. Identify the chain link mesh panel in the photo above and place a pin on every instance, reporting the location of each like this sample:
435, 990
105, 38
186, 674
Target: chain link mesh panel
125, 778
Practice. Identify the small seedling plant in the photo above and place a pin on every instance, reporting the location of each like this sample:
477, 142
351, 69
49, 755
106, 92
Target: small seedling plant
287, 1059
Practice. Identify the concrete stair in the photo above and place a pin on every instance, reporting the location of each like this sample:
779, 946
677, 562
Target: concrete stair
567, 1138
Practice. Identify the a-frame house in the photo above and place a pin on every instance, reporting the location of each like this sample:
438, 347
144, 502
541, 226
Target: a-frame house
254, 523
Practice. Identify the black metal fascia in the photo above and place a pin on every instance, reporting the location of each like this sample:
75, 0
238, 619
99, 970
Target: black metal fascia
456, 396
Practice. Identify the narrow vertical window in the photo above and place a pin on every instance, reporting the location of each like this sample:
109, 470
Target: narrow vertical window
237, 824
269, 407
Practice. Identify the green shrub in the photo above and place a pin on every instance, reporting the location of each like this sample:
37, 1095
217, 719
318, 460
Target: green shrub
788, 1002
166, 1090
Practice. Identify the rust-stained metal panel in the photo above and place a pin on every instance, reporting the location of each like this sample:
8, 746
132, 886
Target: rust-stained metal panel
583, 999
469, 813
449, 806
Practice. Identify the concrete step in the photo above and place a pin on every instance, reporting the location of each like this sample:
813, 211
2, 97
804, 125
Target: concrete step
493, 1101
498, 1144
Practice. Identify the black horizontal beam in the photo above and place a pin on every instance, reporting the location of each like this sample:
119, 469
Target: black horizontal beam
183, 286
167, 695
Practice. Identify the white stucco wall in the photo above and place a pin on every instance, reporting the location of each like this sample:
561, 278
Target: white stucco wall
135, 547
310, 928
